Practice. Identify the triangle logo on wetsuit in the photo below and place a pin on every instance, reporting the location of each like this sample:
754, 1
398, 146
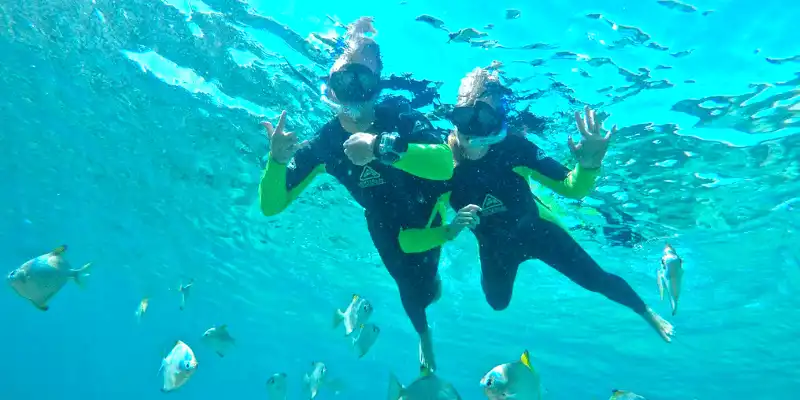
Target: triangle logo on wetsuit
369, 178
491, 205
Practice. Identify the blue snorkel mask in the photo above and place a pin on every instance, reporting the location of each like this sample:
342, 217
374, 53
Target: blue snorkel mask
481, 123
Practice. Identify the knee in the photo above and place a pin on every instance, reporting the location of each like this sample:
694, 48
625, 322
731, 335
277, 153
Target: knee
498, 300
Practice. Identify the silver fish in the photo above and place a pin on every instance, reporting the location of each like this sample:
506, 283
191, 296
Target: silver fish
177, 367
219, 339
427, 387
184, 291
318, 377
517, 380
358, 312
670, 276
624, 395
276, 386
366, 337
40, 278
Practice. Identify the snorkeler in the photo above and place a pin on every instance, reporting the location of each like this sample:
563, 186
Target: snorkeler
387, 155
490, 188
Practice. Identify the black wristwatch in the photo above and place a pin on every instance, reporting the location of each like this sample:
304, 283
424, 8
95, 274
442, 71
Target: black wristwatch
387, 149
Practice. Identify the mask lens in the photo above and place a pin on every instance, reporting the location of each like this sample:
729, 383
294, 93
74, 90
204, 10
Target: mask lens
354, 83
478, 120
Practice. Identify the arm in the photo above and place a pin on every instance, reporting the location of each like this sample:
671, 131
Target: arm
424, 153
281, 184
574, 184
419, 240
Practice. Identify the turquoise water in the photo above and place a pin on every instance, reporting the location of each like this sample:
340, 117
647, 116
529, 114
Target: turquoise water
130, 132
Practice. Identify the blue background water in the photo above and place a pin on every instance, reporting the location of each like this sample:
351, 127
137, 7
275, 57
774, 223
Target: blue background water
129, 132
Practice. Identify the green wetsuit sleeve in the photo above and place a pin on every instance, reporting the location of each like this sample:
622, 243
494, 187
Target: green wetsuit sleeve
419, 240
429, 161
425, 154
577, 183
533, 162
280, 185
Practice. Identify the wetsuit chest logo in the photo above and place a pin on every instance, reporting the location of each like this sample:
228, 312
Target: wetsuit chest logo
369, 178
492, 205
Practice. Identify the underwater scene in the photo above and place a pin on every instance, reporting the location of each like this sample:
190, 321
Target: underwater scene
403, 200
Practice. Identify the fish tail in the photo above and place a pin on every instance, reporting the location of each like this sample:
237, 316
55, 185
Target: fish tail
81, 274
395, 388
338, 317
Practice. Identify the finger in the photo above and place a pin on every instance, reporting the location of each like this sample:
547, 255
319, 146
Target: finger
270, 128
590, 120
281, 123
301, 145
572, 146
611, 133
581, 124
472, 208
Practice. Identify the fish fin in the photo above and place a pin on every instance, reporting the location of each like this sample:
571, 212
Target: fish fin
338, 317
526, 359
396, 389
219, 353
355, 297
163, 362
59, 250
43, 307
81, 274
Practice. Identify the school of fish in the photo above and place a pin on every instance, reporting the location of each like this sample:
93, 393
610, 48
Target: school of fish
39, 279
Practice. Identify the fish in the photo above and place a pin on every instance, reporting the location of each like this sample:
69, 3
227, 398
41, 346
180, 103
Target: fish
512, 13
427, 386
318, 378
517, 380
177, 367
276, 386
184, 291
466, 35
624, 395
670, 276
40, 278
366, 337
142, 309
219, 339
432, 21
357, 313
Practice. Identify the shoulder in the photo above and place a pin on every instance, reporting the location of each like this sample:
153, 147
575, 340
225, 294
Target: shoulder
520, 146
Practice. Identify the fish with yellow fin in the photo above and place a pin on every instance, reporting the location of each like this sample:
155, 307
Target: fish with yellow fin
142, 309
427, 386
670, 276
624, 395
517, 380
357, 313
40, 278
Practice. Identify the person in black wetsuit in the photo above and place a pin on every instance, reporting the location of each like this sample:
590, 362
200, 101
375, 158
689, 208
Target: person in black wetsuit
387, 155
490, 188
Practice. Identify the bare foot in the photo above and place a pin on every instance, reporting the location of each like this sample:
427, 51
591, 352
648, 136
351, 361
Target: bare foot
426, 357
661, 326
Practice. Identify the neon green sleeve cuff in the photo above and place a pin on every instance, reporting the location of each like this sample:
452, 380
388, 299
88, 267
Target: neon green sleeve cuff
581, 181
422, 240
272, 193
428, 161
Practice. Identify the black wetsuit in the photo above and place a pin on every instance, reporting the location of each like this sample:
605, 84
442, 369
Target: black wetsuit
515, 226
393, 199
